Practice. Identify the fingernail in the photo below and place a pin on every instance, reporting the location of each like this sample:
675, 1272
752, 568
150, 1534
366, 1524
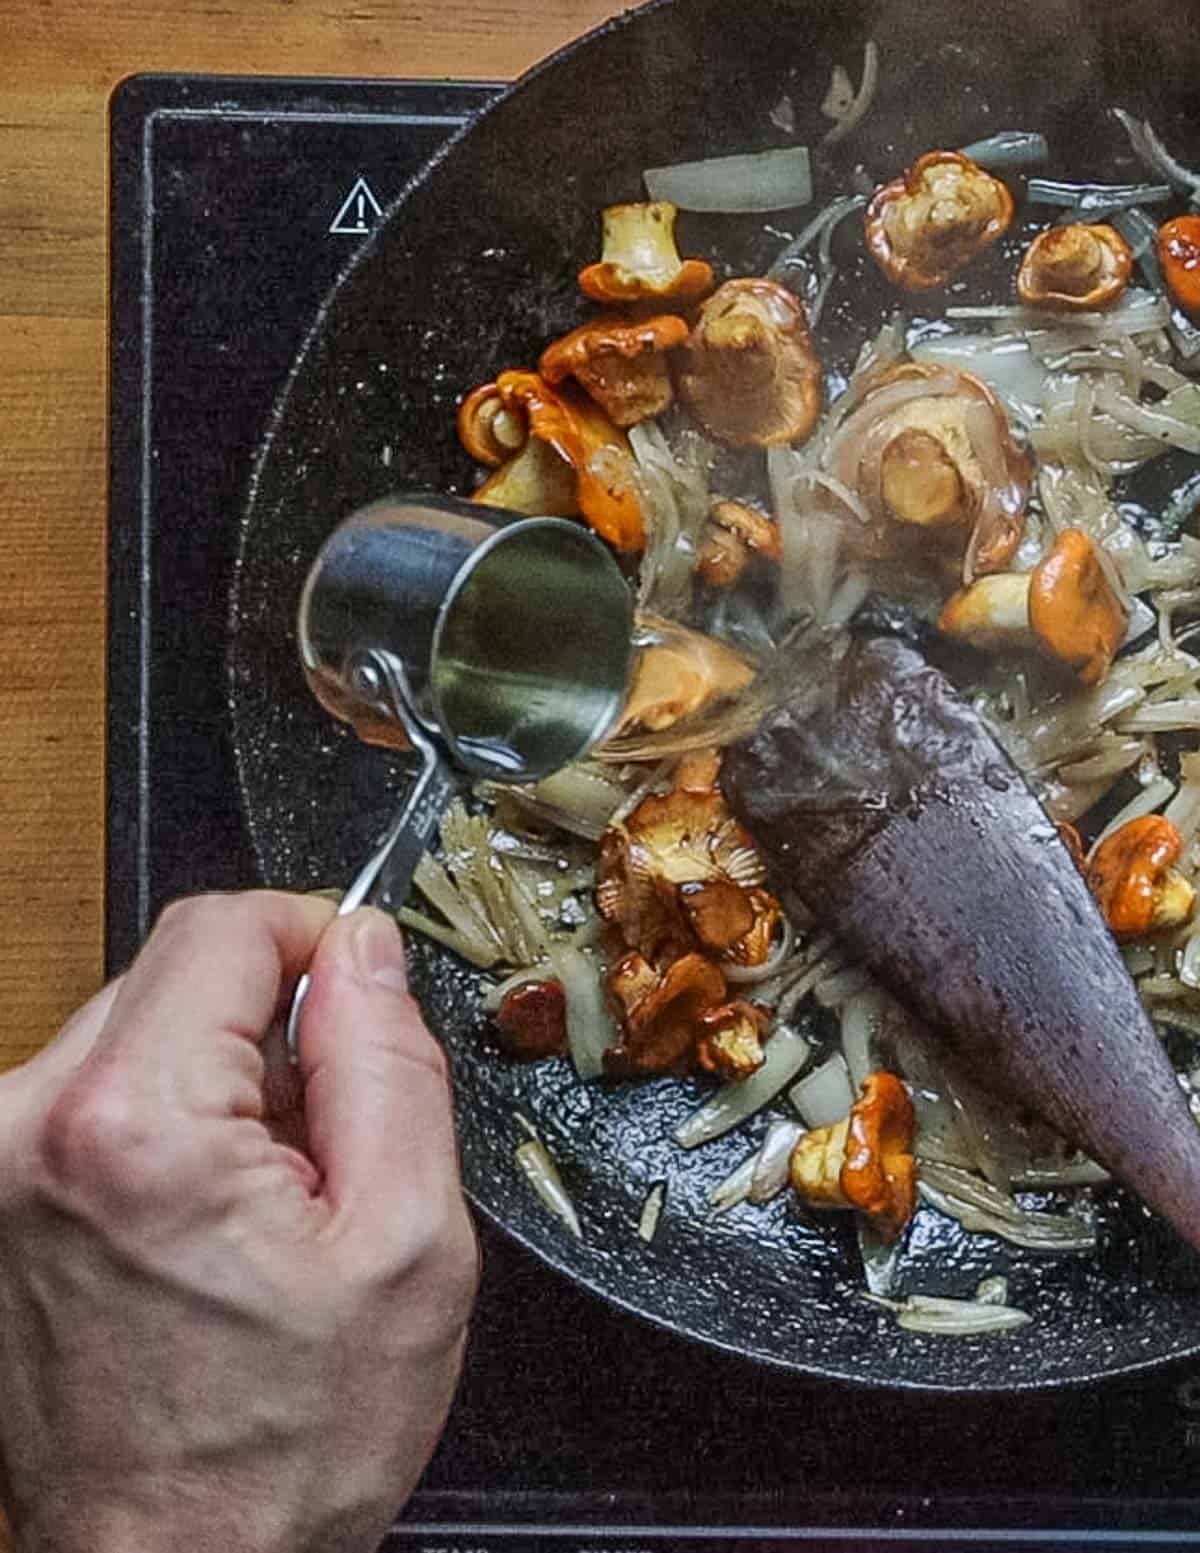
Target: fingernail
379, 950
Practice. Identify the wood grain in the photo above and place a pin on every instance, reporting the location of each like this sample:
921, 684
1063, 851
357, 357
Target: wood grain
59, 61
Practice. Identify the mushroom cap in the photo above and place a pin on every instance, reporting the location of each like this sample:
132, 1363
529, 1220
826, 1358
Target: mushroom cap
620, 362
684, 838
662, 1028
879, 1176
992, 614
532, 1020
1079, 267
749, 373
926, 225
490, 431
578, 430
736, 531
961, 414
1129, 872
639, 260
679, 674
1179, 255
731, 1040
537, 481
1074, 610
919, 481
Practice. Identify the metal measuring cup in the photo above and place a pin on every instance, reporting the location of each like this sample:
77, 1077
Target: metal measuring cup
470, 635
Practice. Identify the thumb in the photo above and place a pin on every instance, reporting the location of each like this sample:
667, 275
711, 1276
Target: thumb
376, 1087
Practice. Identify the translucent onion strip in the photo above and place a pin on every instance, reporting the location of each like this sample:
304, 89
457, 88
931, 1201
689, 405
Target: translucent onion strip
758, 181
825, 1095
541, 1172
771, 1162
652, 1211
939, 1317
1009, 148
787, 1052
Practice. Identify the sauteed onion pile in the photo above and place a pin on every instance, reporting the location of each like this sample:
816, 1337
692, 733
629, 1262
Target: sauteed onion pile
1015, 481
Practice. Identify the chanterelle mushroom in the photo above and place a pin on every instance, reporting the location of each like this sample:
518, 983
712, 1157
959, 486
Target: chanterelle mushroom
731, 1040
1066, 607
930, 455
749, 373
925, 226
532, 1020
865, 1161
1078, 267
660, 1029
640, 262
1179, 255
736, 532
678, 672
581, 436
1131, 876
620, 362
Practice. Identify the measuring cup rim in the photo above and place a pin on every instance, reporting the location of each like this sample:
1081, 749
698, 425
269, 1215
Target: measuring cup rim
504, 535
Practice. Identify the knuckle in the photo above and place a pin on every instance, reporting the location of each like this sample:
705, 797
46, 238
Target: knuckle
195, 917
96, 1139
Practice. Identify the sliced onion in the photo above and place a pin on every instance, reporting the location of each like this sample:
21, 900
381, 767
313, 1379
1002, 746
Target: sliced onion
771, 1162
939, 1317
759, 181
754, 975
787, 1052
825, 1095
542, 1174
591, 1029
1151, 420
1033, 1232
841, 986
822, 226
1151, 797
858, 109
1184, 809
992, 1291
861, 1019
652, 1211
1005, 362
470, 949
1095, 197
1009, 148
496, 993
1157, 158
735, 1188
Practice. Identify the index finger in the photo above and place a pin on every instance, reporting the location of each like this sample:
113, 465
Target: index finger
213, 964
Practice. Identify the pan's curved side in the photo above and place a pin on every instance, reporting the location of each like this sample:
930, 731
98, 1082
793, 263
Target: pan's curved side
473, 272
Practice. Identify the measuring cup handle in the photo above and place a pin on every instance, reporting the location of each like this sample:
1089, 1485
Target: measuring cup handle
387, 875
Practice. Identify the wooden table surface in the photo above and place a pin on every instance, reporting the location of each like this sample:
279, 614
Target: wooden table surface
59, 60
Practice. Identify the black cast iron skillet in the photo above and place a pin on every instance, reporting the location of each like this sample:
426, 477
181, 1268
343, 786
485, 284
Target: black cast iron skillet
474, 272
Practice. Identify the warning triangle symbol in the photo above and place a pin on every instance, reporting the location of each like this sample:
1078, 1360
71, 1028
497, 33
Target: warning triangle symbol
358, 211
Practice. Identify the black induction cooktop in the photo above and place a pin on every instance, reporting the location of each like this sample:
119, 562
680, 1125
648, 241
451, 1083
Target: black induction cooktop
235, 205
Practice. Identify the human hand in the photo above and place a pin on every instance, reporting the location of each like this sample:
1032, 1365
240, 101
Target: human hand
210, 1338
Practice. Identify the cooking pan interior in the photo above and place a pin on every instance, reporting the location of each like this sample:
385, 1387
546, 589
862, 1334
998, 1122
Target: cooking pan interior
474, 272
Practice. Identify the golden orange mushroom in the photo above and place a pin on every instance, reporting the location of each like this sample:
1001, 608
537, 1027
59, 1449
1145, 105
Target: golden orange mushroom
748, 372
639, 260
1074, 610
736, 532
532, 1020
583, 437
926, 225
1079, 267
730, 1040
620, 362
660, 1030
678, 673
1179, 255
932, 458
489, 429
1067, 608
865, 1161
1135, 885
